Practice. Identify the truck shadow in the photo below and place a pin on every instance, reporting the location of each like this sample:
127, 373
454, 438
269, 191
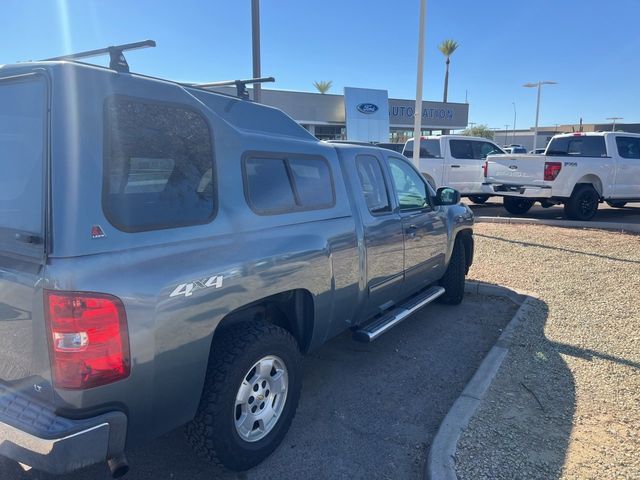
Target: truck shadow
524, 424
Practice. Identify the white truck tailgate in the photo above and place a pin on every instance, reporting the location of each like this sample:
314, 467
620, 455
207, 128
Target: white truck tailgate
516, 169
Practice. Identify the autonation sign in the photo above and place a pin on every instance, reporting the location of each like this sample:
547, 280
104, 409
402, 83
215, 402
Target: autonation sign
434, 114
401, 111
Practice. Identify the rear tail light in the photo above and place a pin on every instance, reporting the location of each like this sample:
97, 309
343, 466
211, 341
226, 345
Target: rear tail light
89, 340
551, 170
485, 168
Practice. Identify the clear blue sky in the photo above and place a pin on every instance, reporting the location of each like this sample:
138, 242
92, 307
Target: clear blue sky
592, 48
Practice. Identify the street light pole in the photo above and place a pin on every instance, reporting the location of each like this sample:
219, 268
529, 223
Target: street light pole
538, 85
506, 134
514, 121
255, 47
417, 119
613, 127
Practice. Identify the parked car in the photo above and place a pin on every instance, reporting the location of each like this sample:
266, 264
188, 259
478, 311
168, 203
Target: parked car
537, 151
168, 253
512, 149
578, 170
455, 160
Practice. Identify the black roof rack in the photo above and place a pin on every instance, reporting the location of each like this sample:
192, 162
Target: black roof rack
241, 85
117, 61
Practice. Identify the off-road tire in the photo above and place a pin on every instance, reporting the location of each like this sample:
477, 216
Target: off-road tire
453, 279
517, 205
583, 204
479, 199
615, 204
212, 433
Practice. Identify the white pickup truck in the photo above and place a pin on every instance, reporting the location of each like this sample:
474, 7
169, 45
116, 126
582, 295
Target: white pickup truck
456, 161
579, 170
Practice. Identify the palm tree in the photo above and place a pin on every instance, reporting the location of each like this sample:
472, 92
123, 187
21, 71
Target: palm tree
323, 86
447, 47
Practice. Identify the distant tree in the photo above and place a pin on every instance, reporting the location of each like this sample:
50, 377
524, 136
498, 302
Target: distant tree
478, 131
447, 47
323, 86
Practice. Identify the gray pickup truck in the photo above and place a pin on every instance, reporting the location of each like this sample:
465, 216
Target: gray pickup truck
168, 253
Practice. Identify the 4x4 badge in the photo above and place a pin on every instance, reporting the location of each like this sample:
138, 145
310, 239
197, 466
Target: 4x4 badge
187, 289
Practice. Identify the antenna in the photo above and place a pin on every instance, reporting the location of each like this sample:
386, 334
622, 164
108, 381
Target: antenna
117, 61
241, 85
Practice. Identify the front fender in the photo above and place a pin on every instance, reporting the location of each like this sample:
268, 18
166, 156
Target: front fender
458, 218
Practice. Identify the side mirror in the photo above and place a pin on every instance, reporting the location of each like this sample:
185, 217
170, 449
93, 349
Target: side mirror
447, 196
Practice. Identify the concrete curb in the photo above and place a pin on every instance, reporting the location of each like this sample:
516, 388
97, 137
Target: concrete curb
441, 461
619, 227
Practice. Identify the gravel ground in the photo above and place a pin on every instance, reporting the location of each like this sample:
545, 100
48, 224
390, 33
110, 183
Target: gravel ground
566, 401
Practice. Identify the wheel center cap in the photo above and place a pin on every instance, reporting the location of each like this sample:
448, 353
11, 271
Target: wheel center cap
260, 397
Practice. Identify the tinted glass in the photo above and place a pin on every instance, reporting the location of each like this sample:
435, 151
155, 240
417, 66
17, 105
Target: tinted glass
411, 189
628, 147
268, 185
159, 165
278, 185
579, 146
22, 122
312, 181
373, 185
461, 149
429, 148
482, 149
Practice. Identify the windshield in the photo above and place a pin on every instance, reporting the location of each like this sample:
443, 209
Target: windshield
22, 106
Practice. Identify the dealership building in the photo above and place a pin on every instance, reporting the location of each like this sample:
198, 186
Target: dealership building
363, 114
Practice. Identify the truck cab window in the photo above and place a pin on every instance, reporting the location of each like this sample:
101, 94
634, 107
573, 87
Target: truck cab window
373, 185
482, 149
628, 147
461, 149
411, 190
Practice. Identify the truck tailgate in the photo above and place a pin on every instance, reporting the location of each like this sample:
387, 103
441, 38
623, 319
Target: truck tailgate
516, 169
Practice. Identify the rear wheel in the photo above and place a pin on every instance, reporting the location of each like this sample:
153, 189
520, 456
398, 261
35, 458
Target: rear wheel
615, 204
453, 279
250, 396
479, 199
517, 205
583, 203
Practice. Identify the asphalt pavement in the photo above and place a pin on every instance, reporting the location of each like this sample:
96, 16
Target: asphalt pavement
366, 411
493, 208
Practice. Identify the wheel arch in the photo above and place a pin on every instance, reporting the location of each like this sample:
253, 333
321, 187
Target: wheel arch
590, 179
292, 310
466, 238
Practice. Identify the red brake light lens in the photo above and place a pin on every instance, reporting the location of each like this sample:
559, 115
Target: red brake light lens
89, 340
551, 170
485, 168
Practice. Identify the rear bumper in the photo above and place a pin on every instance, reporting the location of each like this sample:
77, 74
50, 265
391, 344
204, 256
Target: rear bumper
526, 191
35, 436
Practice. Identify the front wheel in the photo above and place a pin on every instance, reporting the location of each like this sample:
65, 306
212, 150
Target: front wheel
583, 204
479, 199
453, 279
250, 396
517, 205
615, 204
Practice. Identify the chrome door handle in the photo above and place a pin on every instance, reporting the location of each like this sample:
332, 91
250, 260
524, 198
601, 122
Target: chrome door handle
455, 166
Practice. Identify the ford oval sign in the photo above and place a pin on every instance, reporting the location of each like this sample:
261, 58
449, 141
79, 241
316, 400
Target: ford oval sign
367, 108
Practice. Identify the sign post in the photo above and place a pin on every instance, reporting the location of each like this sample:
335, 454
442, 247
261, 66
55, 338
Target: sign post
417, 121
